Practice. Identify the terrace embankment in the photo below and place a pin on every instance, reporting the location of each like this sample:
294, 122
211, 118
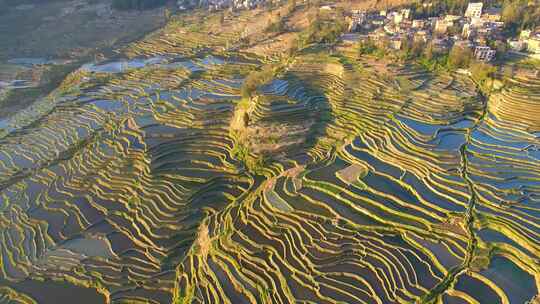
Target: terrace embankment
385, 215
107, 188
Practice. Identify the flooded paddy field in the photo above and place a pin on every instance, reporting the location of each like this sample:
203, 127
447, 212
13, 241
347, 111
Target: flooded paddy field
131, 183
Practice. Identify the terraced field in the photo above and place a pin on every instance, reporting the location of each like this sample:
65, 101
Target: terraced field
131, 183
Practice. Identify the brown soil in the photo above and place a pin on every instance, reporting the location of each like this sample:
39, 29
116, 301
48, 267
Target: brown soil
203, 241
352, 173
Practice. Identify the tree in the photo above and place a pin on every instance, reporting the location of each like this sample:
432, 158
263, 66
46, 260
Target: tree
276, 26
520, 14
405, 48
221, 18
340, 12
417, 47
293, 48
501, 49
428, 52
482, 73
366, 47
459, 57
314, 3
246, 119
531, 17
291, 6
512, 13
256, 79
324, 31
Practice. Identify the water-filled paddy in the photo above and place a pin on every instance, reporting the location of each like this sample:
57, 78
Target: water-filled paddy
52, 292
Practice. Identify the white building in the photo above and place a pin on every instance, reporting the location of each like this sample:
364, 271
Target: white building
358, 17
356, 21
484, 53
467, 31
517, 45
398, 17
474, 10
406, 13
477, 22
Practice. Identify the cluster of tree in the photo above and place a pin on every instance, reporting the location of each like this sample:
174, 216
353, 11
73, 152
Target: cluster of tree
425, 9
276, 26
279, 24
366, 47
369, 47
291, 6
483, 74
255, 79
517, 14
324, 31
459, 57
432, 60
381, 48
521, 14
137, 4
254, 163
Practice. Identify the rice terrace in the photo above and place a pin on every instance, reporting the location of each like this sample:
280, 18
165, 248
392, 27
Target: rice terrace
230, 151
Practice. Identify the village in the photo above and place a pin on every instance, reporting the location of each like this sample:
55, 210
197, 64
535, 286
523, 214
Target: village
479, 30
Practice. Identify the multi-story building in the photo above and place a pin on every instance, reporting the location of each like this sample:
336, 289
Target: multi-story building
517, 45
418, 23
468, 31
474, 10
442, 25
398, 17
477, 22
484, 53
358, 18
